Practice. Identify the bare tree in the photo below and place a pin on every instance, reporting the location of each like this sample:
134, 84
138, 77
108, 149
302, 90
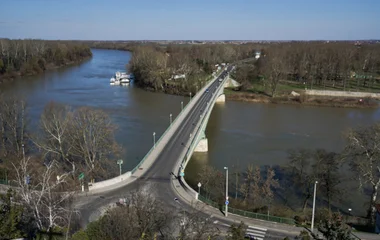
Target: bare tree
13, 123
363, 153
40, 193
55, 140
92, 139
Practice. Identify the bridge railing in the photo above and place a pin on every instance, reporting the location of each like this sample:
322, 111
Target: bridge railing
194, 98
194, 140
247, 213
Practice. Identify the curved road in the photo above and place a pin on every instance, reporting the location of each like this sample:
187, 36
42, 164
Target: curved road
159, 173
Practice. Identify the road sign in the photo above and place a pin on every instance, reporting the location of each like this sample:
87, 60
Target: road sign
81, 176
120, 161
182, 174
227, 202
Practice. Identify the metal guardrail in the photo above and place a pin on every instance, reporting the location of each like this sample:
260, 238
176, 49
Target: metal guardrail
247, 213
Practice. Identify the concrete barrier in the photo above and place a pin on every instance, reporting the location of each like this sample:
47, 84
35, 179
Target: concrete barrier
152, 154
342, 94
109, 182
192, 143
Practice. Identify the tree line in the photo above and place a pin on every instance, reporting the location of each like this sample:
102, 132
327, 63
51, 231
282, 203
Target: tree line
154, 65
45, 165
321, 65
29, 56
279, 189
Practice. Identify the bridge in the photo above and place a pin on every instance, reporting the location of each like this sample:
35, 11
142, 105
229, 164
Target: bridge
165, 162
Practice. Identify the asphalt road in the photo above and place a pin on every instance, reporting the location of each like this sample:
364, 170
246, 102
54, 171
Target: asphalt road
158, 175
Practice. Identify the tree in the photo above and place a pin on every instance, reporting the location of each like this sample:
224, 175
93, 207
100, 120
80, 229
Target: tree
13, 122
334, 228
327, 164
274, 69
82, 139
41, 195
363, 154
55, 143
268, 185
237, 232
299, 167
10, 217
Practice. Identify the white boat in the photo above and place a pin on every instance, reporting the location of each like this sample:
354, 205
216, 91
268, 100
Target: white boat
124, 80
112, 80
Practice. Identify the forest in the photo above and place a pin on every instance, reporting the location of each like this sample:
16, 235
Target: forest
27, 57
313, 65
155, 65
281, 68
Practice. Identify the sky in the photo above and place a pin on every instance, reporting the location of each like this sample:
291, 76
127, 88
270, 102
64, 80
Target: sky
190, 19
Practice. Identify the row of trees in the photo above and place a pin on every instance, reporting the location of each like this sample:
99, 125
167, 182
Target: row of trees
154, 65
79, 139
340, 65
258, 188
24, 57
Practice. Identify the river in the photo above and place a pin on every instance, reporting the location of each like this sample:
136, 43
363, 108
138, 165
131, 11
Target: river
238, 133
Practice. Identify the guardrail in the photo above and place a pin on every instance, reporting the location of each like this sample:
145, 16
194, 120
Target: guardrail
247, 213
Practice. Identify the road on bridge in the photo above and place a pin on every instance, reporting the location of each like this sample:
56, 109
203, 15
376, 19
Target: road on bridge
159, 173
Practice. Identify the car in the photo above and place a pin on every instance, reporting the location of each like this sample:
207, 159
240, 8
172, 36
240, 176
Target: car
207, 90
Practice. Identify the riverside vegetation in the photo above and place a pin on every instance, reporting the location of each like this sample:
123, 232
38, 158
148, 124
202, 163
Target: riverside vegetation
28, 57
287, 191
282, 68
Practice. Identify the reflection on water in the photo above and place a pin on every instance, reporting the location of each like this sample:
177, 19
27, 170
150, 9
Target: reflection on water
261, 134
136, 112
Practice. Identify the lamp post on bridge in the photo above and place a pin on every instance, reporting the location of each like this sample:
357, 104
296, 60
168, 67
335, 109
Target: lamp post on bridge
154, 139
170, 117
120, 162
190, 96
199, 188
181, 106
226, 168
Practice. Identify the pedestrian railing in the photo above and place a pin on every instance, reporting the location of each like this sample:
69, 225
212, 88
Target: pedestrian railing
247, 213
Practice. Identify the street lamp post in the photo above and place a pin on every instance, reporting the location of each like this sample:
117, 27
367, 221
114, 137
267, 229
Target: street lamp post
154, 139
170, 116
120, 162
312, 217
23, 151
226, 168
181, 106
190, 96
199, 188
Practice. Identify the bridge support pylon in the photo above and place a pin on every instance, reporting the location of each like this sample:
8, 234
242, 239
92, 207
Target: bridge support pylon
221, 98
202, 145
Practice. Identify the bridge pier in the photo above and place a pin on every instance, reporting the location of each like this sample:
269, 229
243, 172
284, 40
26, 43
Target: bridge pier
221, 98
202, 145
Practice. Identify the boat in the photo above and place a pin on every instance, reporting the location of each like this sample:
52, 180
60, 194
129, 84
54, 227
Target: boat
124, 80
120, 78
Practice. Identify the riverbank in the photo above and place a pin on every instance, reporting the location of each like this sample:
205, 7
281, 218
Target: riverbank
307, 100
6, 78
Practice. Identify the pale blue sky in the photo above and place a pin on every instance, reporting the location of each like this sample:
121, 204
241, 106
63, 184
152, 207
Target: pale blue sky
196, 19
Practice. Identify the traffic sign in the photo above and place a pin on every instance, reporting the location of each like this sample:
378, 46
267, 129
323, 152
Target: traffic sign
81, 176
182, 174
227, 202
